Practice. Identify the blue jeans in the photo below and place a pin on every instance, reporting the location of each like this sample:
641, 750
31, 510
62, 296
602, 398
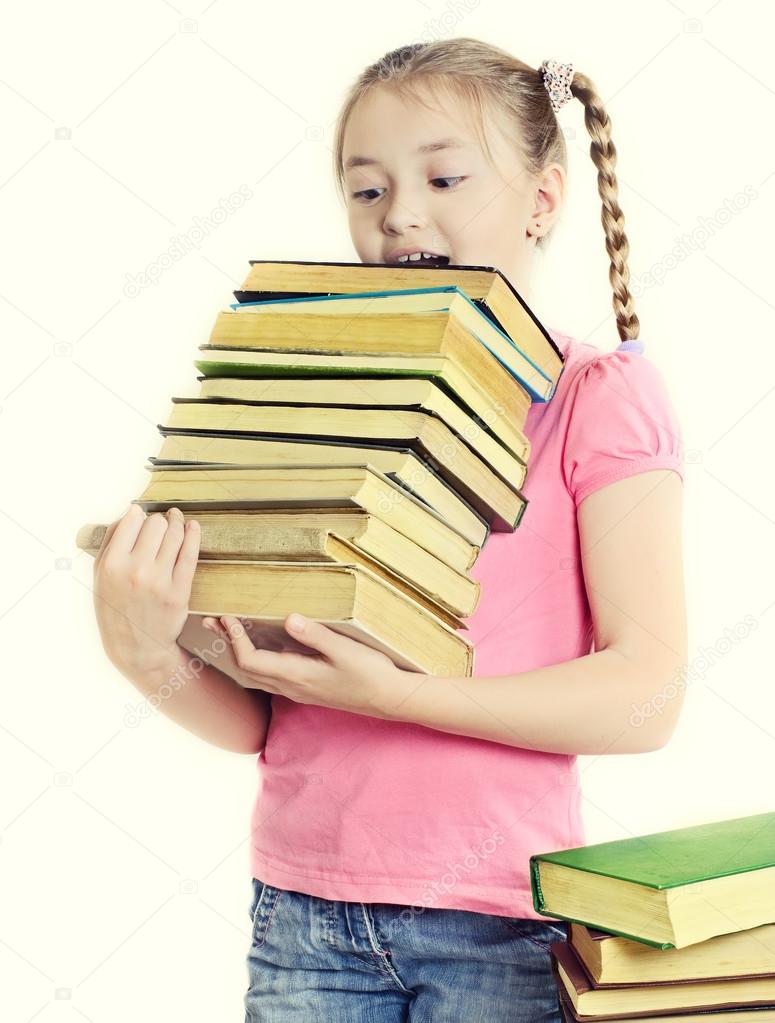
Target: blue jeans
316, 960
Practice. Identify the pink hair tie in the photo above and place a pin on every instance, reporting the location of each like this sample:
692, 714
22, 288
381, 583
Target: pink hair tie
557, 79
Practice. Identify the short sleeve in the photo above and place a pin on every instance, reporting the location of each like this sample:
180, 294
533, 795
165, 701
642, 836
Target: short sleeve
621, 422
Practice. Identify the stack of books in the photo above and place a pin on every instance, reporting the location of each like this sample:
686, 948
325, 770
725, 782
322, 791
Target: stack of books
676, 925
356, 436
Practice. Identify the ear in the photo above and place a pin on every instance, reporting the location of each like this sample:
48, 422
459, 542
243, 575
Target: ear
548, 198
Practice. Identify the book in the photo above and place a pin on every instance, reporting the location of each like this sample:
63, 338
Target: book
491, 396
401, 465
495, 497
746, 1014
349, 599
610, 959
413, 395
486, 286
406, 308
344, 537
591, 1000
669, 889
207, 488
434, 333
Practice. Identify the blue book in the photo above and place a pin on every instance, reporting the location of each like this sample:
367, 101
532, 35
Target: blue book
447, 299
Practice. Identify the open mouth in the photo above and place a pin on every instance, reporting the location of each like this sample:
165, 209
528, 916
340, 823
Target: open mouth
421, 259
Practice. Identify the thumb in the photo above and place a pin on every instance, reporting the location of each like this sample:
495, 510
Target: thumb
316, 635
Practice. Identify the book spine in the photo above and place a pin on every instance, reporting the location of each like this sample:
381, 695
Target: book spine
535, 885
539, 905
522, 509
486, 309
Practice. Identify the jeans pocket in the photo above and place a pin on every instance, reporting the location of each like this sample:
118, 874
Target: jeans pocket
256, 887
262, 909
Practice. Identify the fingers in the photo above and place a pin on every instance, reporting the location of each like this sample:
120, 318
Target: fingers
244, 651
214, 625
149, 537
167, 541
270, 663
171, 541
125, 531
247, 679
187, 557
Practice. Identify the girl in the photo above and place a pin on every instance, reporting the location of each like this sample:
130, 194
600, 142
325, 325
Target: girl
397, 811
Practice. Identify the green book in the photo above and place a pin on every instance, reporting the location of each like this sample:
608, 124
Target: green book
669, 889
485, 390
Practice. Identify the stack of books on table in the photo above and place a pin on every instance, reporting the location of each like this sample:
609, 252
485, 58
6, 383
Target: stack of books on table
672, 926
356, 436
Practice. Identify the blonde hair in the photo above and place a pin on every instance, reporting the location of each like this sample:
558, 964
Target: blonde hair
485, 76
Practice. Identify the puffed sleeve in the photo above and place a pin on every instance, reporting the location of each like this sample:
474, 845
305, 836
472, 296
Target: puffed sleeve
621, 422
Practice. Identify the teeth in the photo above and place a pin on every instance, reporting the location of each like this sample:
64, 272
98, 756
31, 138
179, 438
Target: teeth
414, 256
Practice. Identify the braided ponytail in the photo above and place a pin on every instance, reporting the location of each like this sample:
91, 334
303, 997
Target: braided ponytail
603, 153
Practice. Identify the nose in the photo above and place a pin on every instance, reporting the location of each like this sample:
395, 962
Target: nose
403, 215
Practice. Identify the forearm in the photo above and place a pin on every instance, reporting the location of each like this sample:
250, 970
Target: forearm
204, 700
600, 703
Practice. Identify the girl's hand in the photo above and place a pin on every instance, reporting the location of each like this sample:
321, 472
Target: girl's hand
142, 584
345, 674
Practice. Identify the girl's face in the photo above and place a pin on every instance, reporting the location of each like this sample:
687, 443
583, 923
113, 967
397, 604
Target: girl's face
418, 179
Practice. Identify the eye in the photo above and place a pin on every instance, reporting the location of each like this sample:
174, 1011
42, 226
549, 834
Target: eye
447, 187
365, 197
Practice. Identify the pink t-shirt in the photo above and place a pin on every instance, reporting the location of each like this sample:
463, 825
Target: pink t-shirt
361, 809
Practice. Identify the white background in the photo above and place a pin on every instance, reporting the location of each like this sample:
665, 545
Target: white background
124, 873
